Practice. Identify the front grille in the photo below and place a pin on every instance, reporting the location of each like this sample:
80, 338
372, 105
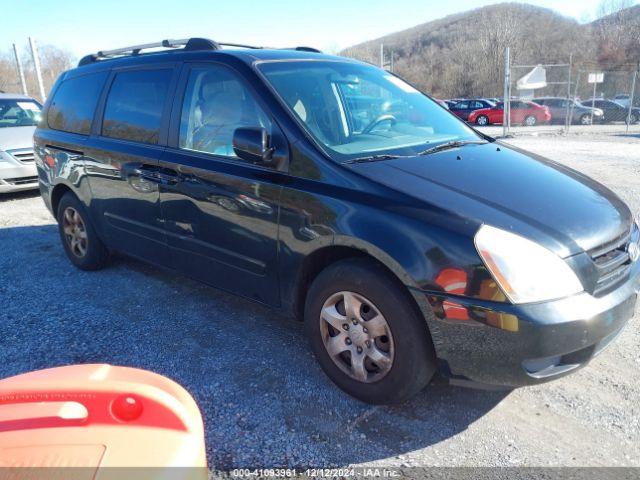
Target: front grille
612, 264
23, 155
21, 180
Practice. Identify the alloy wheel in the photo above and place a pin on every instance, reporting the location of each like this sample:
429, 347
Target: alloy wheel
356, 336
75, 232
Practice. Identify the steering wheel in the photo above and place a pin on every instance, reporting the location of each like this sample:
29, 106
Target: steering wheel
381, 119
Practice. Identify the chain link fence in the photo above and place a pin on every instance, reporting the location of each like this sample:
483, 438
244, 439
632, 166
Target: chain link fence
561, 97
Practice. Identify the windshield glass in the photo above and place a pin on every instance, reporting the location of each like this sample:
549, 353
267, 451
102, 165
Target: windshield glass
19, 113
358, 110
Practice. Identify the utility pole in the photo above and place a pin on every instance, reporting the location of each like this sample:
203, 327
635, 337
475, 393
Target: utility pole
568, 118
23, 83
506, 103
633, 92
36, 65
573, 101
593, 100
382, 55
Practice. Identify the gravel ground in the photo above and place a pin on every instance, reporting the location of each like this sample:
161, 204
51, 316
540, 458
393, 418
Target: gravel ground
264, 400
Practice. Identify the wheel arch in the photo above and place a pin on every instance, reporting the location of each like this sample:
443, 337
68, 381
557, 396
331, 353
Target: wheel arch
56, 195
346, 248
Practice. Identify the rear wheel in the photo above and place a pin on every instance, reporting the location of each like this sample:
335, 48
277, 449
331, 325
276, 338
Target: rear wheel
482, 120
530, 120
366, 334
79, 239
633, 118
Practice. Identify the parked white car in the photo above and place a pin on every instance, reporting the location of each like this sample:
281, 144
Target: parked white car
19, 116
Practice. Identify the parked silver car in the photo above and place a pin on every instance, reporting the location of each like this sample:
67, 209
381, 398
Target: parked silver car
19, 116
560, 107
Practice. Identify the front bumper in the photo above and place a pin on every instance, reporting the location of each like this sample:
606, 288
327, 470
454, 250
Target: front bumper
16, 176
515, 345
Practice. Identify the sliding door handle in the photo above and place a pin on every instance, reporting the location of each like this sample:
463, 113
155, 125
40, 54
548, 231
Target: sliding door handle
155, 176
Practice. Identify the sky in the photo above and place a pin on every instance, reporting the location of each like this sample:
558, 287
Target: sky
86, 26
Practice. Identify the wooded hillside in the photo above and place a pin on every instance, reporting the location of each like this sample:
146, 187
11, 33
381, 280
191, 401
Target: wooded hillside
463, 54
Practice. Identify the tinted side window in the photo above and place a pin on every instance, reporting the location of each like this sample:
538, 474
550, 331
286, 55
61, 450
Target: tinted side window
74, 103
133, 110
215, 103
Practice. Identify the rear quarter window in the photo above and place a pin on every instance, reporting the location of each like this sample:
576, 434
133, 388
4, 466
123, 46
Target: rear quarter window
133, 110
74, 103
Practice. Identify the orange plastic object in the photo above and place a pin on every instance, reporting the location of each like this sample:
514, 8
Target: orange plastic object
453, 280
98, 416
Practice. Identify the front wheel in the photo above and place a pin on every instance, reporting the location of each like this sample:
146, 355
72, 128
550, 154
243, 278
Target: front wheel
633, 119
530, 121
366, 334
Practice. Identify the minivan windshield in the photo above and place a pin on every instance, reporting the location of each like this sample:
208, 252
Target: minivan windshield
19, 113
355, 110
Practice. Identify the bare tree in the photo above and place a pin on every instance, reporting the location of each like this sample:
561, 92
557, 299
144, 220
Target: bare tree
618, 32
9, 78
610, 7
53, 61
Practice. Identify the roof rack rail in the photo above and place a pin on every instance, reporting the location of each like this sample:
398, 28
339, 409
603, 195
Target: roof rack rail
241, 45
255, 47
189, 44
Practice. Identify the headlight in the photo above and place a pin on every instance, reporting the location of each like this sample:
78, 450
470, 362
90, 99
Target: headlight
4, 156
526, 271
597, 112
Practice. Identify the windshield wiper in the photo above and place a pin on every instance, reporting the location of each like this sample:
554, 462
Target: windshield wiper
450, 145
372, 158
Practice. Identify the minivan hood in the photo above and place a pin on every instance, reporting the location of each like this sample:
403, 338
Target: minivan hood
503, 186
16, 137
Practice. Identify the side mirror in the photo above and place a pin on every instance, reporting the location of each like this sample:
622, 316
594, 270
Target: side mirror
252, 144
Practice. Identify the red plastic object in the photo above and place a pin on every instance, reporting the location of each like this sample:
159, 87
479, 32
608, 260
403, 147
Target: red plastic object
99, 416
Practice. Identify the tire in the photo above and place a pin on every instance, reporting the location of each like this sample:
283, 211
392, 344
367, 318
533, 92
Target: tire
482, 120
530, 121
74, 226
406, 346
585, 119
633, 119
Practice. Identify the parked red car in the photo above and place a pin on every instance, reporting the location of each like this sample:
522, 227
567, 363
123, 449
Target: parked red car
525, 113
